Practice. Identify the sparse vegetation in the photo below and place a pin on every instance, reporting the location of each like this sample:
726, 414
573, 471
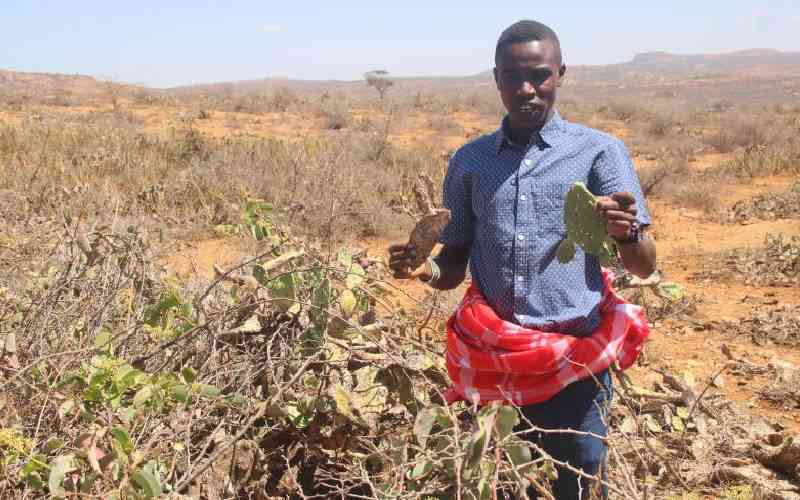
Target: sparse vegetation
295, 370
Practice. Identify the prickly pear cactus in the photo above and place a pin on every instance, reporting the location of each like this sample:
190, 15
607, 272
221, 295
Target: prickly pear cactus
584, 228
427, 232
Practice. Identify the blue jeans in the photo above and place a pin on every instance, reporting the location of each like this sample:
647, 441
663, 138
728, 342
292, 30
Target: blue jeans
581, 406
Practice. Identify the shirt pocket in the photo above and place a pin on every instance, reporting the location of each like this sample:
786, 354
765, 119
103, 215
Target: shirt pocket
549, 201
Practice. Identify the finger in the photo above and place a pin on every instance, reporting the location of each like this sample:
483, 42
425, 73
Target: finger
618, 229
606, 204
612, 215
397, 247
418, 272
399, 264
403, 253
624, 198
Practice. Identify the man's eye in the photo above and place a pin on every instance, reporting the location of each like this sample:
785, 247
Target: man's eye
540, 77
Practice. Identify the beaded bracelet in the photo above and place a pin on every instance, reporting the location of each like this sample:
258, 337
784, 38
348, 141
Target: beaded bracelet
436, 272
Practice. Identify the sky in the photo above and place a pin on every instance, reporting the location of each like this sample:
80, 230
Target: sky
179, 42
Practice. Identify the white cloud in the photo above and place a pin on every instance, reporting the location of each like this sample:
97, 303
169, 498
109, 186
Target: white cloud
271, 28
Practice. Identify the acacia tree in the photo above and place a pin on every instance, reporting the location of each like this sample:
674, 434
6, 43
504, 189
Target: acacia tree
379, 79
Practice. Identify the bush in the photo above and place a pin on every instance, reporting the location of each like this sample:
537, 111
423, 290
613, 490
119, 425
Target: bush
335, 115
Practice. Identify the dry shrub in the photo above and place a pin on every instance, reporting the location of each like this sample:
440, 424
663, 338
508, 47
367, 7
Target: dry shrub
620, 110
283, 99
336, 188
664, 177
660, 126
335, 114
766, 160
445, 124
697, 196
776, 263
732, 136
767, 206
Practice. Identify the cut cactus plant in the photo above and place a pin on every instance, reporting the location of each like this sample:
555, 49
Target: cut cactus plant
431, 220
584, 228
426, 234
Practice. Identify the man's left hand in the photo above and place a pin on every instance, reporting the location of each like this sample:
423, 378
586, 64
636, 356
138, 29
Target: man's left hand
619, 212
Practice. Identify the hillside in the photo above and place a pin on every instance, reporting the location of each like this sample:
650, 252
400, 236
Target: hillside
768, 75
58, 88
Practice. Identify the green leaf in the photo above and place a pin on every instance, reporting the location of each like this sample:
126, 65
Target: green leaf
342, 400
321, 300
507, 419
485, 488
670, 291
188, 374
677, 424
422, 469
548, 469
122, 439
54, 444
345, 259
142, 396
652, 424
424, 423
102, 340
518, 452
355, 276
283, 287
260, 274
126, 414
205, 390
237, 400
566, 251
66, 408
58, 471
148, 483
181, 393
475, 448
348, 302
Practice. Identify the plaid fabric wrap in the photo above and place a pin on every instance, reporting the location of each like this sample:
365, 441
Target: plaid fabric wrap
490, 359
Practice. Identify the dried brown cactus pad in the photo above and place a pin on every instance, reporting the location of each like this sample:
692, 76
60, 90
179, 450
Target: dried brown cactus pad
426, 234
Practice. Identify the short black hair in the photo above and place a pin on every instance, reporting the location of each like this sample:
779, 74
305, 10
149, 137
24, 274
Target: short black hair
526, 31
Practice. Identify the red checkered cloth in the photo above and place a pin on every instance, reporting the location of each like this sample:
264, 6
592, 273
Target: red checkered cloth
490, 359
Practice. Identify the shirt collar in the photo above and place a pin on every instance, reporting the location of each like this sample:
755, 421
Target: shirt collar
544, 138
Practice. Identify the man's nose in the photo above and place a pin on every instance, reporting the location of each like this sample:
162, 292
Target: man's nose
527, 88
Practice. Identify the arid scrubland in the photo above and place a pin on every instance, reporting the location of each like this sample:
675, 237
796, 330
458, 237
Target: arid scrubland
296, 371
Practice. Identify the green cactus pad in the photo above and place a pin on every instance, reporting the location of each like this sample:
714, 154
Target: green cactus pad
566, 251
584, 227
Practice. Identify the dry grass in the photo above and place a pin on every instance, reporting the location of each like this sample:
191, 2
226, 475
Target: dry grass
91, 167
84, 195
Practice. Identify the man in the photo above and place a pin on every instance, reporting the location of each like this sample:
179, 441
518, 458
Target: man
506, 194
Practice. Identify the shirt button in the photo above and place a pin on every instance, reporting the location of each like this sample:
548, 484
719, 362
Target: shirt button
520, 237
522, 197
528, 162
520, 278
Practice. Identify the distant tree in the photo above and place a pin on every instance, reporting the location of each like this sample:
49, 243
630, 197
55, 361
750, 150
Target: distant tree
380, 80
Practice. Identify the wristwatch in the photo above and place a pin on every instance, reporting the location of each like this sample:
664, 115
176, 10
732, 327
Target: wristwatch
635, 235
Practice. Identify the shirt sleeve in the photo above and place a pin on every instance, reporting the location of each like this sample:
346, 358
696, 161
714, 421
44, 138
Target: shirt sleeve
457, 198
613, 171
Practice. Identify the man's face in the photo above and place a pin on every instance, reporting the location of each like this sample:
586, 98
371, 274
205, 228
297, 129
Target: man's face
527, 75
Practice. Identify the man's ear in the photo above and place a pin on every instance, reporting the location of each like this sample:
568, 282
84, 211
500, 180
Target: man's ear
561, 72
496, 80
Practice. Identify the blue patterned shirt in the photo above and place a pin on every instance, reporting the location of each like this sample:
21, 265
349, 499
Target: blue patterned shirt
507, 201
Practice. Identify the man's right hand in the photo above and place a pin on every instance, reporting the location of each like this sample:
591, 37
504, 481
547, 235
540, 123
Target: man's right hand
401, 256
